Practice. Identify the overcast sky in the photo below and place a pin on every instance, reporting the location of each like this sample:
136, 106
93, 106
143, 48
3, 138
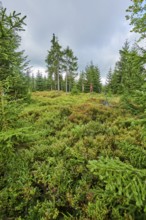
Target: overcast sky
94, 29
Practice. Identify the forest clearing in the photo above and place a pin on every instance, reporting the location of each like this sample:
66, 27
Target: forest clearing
72, 139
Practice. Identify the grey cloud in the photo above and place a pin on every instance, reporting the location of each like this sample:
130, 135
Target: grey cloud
94, 29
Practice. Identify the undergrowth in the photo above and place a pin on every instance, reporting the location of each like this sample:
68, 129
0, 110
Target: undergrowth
73, 157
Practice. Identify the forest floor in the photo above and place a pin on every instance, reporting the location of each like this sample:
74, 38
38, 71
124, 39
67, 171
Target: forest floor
76, 157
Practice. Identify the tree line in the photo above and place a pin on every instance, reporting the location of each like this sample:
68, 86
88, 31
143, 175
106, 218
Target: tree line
62, 72
17, 81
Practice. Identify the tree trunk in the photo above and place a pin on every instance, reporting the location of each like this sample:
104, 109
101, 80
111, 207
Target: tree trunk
58, 82
66, 81
82, 87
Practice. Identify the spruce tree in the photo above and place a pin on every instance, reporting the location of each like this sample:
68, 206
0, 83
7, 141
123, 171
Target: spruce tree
122, 68
33, 83
128, 74
115, 84
12, 61
40, 85
109, 80
70, 66
92, 74
136, 70
54, 63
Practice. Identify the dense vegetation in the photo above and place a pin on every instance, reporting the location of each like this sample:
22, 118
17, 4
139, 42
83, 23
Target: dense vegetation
73, 157
67, 153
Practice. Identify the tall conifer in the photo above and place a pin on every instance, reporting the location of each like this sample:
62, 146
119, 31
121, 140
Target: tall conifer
54, 62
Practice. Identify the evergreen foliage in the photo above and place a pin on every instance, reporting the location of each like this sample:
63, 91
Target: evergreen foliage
40, 82
61, 61
54, 62
129, 72
70, 66
71, 157
12, 62
92, 78
109, 80
82, 82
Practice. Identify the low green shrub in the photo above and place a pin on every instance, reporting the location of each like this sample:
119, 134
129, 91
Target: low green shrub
73, 158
